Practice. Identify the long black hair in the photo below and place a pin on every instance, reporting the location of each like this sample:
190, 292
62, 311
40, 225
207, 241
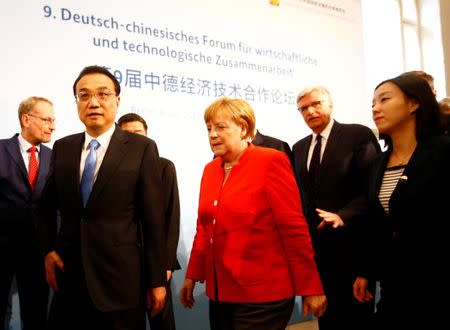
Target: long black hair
427, 114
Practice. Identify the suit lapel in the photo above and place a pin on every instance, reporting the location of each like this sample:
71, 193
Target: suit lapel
116, 151
301, 161
44, 163
378, 179
71, 153
332, 146
412, 169
12, 147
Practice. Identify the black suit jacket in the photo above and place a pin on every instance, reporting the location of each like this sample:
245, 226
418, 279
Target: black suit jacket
409, 246
343, 169
118, 239
16, 198
274, 143
172, 212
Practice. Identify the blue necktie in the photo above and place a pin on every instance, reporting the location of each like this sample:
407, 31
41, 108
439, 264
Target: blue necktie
87, 179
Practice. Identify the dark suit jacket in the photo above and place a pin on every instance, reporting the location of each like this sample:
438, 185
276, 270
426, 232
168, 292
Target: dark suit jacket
349, 150
16, 197
410, 244
271, 142
120, 233
172, 214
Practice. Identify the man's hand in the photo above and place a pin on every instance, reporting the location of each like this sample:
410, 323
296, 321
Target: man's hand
169, 275
329, 219
360, 291
156, 298
316, 304
187, 293
53, 260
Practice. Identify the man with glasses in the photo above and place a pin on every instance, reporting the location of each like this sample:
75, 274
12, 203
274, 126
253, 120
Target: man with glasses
107, 263
24, 164
330, 166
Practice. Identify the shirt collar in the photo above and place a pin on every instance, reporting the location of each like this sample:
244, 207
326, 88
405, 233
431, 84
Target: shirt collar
103, 139
25, 145
326, 132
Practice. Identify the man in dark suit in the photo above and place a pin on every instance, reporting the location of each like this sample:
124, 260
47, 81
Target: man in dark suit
132, 122
107, 262
24, 164
331, 179
271, 142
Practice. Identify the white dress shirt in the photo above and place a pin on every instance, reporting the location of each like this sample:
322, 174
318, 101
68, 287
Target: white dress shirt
325, 134
104, 140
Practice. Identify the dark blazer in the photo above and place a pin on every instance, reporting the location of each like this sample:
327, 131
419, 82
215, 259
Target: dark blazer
172, 212
20, 253
16, 197
271, 142
410, 244
349, 150
120, 233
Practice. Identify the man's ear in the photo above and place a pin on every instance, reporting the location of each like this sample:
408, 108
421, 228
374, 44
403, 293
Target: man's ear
25, 120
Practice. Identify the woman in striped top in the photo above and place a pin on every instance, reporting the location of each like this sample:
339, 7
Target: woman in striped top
405, 239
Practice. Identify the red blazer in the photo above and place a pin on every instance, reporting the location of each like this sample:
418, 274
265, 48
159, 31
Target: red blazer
253, 232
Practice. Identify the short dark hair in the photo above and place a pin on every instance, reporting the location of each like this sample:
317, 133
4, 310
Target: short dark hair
130, 117
427, 114
97, 69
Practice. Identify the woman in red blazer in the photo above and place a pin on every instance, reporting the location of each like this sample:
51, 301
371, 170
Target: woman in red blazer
252, 244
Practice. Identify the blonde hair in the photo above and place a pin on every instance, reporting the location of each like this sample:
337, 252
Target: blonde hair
239, 110
27, 105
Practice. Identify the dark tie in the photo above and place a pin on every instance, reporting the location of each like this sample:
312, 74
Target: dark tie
314, 165
32, 167
87, 179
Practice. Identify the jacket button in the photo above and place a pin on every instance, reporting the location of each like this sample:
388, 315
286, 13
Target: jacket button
215, 203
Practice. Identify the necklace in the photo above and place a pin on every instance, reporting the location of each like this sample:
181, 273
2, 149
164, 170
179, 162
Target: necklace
227, 168
399, 161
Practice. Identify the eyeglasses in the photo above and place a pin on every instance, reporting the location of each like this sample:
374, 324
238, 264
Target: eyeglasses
100, 95
46, 121
314, 104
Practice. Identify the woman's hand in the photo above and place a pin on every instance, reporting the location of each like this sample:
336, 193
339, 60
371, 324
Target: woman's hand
316, 304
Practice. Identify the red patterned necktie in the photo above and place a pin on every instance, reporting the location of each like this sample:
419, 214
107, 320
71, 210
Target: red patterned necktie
33, 167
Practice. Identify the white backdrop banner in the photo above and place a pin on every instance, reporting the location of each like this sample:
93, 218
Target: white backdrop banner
173, 58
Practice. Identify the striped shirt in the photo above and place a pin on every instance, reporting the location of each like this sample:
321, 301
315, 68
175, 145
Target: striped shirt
390, 180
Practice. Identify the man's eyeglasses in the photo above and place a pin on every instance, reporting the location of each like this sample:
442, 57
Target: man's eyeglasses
314, 104
46, 121
101, 96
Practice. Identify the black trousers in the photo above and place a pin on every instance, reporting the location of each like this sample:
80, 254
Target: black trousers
164, 320
72, 309
250, 316
20, 257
